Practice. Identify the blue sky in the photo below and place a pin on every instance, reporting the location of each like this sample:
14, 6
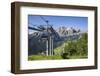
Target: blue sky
58, 21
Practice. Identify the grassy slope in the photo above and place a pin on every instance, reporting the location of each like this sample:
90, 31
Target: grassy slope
58, 51
41, 57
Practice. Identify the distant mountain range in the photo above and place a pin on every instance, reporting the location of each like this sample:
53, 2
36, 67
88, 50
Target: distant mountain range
37, 45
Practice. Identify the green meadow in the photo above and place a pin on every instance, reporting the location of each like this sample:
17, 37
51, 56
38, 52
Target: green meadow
69, 49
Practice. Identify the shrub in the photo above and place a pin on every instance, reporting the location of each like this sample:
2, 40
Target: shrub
65, 56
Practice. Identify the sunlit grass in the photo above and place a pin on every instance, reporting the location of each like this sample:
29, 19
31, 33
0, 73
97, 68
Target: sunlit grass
78, 57
42, 57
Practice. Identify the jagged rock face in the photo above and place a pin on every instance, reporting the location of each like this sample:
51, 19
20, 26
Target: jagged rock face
63, 31
36, 45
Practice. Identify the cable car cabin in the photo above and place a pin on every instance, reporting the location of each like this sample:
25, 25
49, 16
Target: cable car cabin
45, 35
